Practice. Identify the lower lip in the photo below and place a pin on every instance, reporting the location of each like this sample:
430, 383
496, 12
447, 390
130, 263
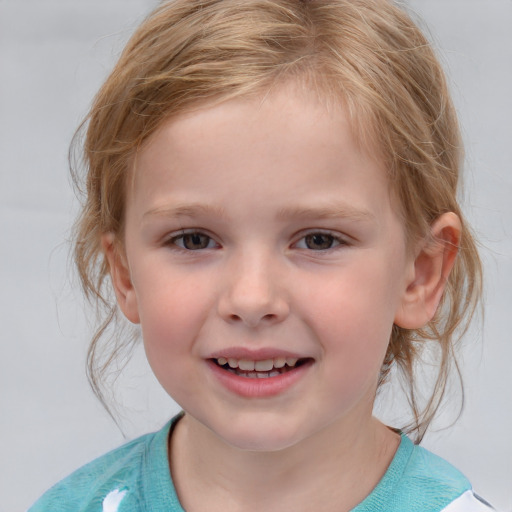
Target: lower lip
259, 388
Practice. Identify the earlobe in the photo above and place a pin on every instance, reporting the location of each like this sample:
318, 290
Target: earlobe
121, 279
429, 276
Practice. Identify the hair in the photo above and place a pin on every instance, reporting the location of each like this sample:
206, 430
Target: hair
367, 55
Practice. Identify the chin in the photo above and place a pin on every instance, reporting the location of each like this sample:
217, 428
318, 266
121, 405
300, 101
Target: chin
258, 437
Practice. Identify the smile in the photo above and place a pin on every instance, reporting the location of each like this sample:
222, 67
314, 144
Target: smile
262, 369
259, 378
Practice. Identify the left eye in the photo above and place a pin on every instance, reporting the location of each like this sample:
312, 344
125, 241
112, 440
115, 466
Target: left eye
193, 241
318, 242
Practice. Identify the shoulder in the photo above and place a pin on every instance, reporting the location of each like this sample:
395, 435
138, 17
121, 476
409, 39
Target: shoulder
438, 481
419, 481
119, 476
426, 470
88, 486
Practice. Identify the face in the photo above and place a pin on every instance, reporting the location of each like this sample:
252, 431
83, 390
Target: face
266, 264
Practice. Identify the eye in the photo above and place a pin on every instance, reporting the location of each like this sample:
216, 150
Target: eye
193, 241
319, 242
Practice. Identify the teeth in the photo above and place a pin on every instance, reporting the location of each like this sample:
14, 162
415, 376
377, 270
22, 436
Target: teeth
279, 362
243, 364
265, 365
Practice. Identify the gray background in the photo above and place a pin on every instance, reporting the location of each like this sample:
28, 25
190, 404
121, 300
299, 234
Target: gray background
53, 56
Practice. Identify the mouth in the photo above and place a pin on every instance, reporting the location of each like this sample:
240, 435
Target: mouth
261, 369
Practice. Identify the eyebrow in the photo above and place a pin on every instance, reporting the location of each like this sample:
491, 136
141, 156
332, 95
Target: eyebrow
186, 210
330, 211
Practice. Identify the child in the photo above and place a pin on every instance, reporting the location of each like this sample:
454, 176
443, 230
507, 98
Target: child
271, 191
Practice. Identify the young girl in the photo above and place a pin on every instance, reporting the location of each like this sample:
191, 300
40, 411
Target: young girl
271, 192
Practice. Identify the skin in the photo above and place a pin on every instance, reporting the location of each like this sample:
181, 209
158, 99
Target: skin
298, 247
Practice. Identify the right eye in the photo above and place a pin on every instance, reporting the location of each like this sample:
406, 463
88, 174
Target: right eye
193, 241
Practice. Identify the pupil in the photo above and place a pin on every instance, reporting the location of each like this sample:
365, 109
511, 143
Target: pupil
319, 241
195, 241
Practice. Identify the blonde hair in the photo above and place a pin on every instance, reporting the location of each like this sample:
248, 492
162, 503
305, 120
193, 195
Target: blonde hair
367, 54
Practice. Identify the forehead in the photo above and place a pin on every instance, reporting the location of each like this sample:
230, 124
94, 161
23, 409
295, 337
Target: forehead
286, 145
298, 102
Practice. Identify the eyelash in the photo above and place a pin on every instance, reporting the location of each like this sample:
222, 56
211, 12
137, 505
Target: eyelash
334, 241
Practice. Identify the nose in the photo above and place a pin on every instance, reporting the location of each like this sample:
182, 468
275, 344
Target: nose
253, 293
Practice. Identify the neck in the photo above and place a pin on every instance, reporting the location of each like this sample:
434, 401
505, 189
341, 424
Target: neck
335, 469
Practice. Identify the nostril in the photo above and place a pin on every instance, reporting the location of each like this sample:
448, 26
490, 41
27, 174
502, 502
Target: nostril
252, 320
243, 308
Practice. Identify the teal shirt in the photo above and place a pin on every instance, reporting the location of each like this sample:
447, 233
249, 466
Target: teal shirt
136, 477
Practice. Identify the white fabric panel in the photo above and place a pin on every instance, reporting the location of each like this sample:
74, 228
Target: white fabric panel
468, 502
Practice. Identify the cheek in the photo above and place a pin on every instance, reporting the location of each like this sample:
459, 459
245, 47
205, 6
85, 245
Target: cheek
169, 329
172, 311
352, 316
353, 336
362, 298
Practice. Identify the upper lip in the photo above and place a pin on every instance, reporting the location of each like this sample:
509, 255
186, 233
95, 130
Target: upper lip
260, 354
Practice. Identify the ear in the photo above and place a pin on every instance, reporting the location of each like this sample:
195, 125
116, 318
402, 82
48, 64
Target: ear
429, 274
121, 279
